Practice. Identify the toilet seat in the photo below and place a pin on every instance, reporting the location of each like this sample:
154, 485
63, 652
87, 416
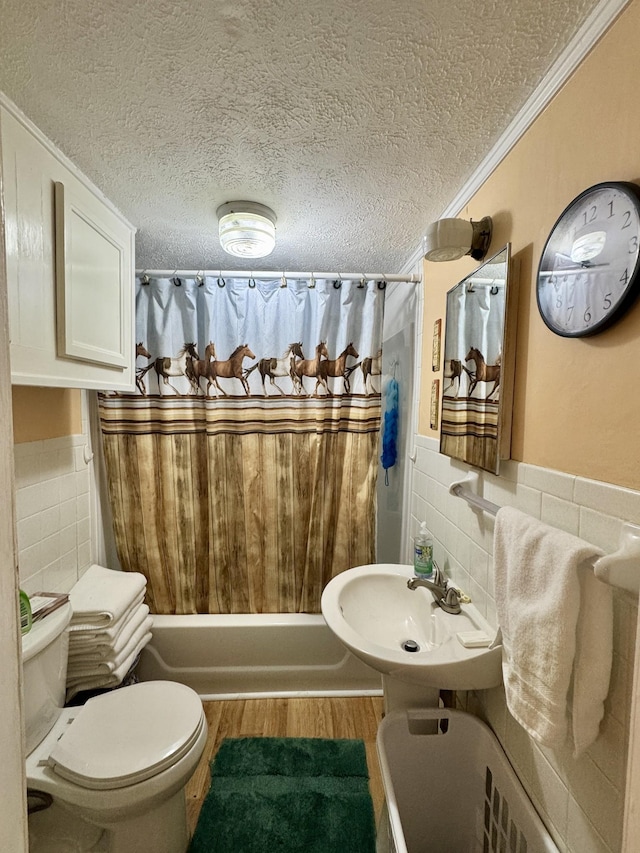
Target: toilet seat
128, 735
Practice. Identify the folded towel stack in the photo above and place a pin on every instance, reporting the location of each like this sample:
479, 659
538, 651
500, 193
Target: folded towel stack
557, 628
109, 627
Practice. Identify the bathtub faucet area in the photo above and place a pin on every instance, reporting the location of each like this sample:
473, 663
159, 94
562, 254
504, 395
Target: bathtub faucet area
445, 596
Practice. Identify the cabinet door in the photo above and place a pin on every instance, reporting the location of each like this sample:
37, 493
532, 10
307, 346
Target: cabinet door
69, 261
91, 279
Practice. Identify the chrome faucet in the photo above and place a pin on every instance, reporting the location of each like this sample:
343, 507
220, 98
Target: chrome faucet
445, 596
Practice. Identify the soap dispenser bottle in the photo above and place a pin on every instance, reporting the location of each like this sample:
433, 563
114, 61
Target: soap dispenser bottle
423, 552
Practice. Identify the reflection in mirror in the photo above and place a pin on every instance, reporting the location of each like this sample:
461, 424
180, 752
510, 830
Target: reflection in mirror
478, 374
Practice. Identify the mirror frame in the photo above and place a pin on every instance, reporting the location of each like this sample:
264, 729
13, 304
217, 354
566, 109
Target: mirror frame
480, 320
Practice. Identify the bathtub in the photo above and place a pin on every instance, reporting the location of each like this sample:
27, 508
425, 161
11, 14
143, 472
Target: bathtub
250, 656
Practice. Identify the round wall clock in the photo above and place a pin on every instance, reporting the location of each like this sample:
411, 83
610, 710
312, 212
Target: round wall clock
589, 272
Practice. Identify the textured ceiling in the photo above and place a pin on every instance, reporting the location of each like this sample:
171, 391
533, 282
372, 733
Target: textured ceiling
357, 121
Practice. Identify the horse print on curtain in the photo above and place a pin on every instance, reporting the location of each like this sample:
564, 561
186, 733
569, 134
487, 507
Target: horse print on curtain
242, 472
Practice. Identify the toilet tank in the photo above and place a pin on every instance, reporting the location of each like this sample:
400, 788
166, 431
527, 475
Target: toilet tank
44, 667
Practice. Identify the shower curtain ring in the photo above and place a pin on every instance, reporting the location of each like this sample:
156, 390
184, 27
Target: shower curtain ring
221, 281
338, 282
283, 280
176, 281
252, 281
144, 278
312, 282
382, 285
362, 282
494, 289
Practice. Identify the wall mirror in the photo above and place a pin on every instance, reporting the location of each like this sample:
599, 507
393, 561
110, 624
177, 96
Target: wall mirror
477, 388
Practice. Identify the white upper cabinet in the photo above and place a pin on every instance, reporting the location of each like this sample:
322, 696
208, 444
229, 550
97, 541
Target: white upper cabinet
70, 268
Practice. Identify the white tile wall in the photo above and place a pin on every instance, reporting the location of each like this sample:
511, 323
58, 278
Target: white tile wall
53, 510
581, 801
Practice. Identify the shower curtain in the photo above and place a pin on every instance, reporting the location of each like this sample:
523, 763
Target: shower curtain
242, 474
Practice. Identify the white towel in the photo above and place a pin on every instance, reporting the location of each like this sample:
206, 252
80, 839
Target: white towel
80, 667
557, 625
80, 631
98, 644
93, 652
102, 595
77, 685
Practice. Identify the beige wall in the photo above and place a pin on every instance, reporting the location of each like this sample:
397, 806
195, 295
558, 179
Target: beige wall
42, 413
577, 401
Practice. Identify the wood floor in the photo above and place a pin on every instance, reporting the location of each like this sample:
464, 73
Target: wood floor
357, 717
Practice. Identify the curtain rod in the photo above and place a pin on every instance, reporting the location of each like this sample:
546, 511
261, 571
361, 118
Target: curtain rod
349, 276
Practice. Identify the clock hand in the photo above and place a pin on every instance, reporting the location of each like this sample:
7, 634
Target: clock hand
571, 270
585, 264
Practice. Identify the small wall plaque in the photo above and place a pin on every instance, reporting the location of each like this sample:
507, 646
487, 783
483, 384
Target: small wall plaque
435, 404
437, 338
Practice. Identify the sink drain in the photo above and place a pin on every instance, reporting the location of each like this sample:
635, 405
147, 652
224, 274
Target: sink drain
410, 646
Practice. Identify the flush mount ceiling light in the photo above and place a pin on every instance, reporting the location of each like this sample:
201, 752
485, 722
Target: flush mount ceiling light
450, 239
247, 229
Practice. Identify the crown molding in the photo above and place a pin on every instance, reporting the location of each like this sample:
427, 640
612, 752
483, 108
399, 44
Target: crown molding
593, 28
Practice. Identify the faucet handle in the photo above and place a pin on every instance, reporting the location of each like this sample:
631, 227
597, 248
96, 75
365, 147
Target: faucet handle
452, 596
439, 576
451, 601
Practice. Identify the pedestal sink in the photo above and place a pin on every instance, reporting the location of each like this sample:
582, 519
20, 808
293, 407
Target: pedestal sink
373, 612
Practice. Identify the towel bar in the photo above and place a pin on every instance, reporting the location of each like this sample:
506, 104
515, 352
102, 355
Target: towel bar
621, 569
470, 495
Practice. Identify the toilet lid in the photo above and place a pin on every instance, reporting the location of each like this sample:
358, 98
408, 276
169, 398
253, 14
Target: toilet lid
128, 735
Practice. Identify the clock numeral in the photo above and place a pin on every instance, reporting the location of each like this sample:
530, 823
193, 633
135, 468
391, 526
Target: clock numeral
587, 315
558, 302
607, 303
633, 244
627, 220
569, 312
590, 215
611, 213
624, 278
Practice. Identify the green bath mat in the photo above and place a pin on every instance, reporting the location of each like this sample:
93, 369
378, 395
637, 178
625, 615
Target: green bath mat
284, 795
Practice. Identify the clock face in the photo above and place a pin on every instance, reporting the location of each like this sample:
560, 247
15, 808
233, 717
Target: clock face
589, 272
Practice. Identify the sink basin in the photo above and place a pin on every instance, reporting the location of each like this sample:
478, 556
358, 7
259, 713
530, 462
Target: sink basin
373, 612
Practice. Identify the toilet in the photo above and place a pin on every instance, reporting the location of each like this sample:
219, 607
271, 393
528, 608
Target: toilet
109, 775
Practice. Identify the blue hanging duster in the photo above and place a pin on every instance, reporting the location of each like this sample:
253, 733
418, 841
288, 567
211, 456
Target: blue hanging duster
390, 428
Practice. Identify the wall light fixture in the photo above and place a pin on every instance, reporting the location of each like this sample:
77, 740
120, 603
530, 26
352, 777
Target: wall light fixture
451, 239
